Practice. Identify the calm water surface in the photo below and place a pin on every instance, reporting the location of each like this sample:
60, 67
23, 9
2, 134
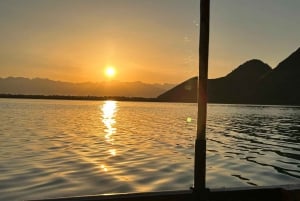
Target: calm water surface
55, 148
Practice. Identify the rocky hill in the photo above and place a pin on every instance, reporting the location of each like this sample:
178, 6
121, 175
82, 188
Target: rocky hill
252, 82
282, 85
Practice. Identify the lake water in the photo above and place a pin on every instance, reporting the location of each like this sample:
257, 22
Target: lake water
55, 148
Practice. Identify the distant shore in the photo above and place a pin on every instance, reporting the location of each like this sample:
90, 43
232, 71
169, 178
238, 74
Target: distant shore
65, 97
116, 98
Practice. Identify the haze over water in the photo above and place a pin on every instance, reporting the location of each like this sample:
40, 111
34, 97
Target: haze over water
55, 148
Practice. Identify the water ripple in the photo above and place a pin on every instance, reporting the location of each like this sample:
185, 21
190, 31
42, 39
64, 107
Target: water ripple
71, 148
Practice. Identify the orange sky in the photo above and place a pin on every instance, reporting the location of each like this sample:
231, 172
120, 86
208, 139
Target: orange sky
152, 41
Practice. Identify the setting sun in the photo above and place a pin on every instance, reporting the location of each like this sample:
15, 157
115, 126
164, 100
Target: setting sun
110, 71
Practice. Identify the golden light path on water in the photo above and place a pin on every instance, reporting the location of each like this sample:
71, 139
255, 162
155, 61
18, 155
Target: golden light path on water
108, 116
109, 109
128, 150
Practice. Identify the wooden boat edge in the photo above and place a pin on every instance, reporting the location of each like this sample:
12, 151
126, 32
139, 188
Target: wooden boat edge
270, 193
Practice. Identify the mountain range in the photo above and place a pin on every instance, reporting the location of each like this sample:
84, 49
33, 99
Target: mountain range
38, 86
253, 82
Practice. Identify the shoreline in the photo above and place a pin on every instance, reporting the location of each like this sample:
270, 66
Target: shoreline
69, 97
125, 98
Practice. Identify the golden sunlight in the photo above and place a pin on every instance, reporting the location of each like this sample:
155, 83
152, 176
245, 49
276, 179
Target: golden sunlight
110, 71
108, 118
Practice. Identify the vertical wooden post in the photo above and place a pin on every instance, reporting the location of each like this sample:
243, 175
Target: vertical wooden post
200, 146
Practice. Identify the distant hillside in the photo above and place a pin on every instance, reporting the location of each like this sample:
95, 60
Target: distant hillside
184, 92
230, 88
37, 86
282, 85
239, 85
251, 82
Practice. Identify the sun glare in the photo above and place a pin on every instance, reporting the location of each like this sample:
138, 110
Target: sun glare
110, 71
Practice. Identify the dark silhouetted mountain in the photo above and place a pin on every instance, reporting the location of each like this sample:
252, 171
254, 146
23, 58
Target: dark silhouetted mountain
252, 82
184, 92
230, 88
282, 85
37, 86
239, 85
249, 71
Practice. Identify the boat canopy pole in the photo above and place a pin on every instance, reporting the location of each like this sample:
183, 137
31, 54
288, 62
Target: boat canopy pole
200, 144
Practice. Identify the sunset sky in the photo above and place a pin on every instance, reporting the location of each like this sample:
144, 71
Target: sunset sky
153, 41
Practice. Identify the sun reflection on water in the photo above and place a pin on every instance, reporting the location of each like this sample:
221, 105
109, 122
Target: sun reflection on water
109, 109
113, 152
